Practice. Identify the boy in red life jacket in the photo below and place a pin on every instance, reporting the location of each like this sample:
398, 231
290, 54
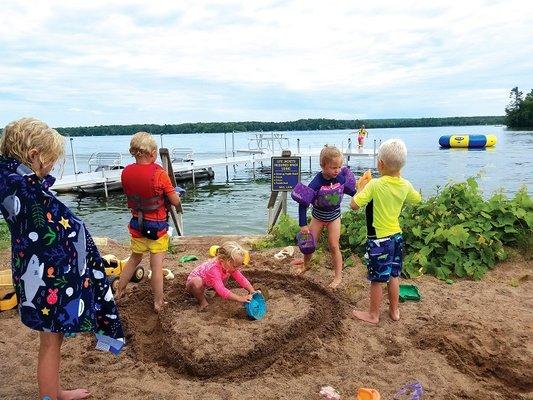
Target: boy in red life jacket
147, 186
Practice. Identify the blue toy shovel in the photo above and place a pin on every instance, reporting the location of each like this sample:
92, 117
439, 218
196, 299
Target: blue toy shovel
256, 308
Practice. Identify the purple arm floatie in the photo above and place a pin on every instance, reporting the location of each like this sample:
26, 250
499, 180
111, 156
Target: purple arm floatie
303, 194
349, 181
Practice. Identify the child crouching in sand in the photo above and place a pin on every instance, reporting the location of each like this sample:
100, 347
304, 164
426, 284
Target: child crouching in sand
385, 248
215, 273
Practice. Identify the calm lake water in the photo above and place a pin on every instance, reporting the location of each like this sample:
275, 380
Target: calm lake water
238, 204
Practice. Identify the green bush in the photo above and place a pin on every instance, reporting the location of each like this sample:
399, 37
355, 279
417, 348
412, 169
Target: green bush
283, 234
5, 236
456, 233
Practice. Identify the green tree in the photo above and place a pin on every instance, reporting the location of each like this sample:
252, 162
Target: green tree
519, 112
512, 111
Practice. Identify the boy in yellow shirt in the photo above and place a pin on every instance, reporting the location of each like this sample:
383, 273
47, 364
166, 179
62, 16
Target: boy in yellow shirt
385, 242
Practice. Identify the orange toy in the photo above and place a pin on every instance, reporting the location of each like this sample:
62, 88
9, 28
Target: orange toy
363, 180
367, 394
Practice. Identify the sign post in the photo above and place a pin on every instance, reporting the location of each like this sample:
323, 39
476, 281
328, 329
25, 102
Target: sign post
286, 172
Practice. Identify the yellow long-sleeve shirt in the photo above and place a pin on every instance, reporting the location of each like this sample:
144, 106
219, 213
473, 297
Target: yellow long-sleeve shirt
388, 193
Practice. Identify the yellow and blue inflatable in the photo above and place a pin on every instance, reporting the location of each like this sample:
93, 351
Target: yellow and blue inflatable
467, 141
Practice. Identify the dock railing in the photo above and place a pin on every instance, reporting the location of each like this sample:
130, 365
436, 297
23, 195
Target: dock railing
105, 161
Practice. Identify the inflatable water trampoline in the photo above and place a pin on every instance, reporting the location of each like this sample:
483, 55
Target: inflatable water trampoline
467, 141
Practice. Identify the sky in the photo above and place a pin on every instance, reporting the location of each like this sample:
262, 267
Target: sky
85, 63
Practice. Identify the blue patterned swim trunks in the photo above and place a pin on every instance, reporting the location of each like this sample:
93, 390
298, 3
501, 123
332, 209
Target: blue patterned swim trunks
385, 258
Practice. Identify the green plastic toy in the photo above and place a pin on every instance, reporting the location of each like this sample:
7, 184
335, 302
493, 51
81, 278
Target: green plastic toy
409, 293
184, 259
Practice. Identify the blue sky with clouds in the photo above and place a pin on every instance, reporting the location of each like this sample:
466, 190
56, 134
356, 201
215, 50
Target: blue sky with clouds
78, 63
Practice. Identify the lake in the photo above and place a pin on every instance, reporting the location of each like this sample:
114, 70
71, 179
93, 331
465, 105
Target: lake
237, 205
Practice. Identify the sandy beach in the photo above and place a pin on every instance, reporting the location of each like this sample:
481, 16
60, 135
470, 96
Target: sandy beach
469, 340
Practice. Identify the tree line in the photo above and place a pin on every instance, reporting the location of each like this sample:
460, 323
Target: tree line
299, 125
519, 112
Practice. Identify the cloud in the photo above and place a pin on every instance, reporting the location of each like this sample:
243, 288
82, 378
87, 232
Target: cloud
272, 60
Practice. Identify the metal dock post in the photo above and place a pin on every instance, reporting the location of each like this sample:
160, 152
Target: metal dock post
226, 156
74, 157
233, 149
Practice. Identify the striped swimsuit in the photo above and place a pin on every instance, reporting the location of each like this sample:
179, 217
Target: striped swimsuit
325, 215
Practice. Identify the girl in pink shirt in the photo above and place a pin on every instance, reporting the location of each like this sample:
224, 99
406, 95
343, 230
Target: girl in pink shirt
215, 273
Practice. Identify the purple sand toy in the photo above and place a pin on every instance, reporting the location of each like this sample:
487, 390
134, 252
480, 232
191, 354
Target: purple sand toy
306, 242
414, 389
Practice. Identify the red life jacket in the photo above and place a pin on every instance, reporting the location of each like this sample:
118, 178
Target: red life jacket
138, 185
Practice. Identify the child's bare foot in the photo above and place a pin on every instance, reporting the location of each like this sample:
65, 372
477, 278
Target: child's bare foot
159, 306
365, 316
336, 282
74, 394
300, 266
302, 269
203, 305
394, 314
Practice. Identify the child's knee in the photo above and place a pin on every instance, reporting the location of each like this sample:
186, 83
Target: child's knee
195, 284
335, 247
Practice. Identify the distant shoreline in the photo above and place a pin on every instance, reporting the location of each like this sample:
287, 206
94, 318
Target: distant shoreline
299, 125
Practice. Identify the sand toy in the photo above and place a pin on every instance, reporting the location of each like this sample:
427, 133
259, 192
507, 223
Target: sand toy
367, 394
256, 308
306, 242
329, 393
213, 252
166, 273
284, 253
114, 267
414, 390
363, 180
8, 297
409, 293
187, 258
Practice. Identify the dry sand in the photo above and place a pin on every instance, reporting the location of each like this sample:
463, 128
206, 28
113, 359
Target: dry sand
469, 340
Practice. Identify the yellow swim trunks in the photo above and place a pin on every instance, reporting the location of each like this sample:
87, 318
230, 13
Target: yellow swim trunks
144, 245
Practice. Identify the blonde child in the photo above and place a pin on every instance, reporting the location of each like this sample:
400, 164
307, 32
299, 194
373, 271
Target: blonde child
147, 187
328, 187
215, 273
71, 294
385, 250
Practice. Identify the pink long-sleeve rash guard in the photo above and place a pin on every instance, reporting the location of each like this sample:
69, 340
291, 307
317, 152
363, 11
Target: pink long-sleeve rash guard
213, 275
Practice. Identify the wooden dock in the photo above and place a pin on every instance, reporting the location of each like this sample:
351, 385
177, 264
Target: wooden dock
107, 177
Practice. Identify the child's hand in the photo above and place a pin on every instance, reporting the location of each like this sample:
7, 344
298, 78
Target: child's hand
304, 230
246, 298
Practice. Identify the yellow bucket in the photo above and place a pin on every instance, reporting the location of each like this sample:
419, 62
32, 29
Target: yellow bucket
6, 281
8, 298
